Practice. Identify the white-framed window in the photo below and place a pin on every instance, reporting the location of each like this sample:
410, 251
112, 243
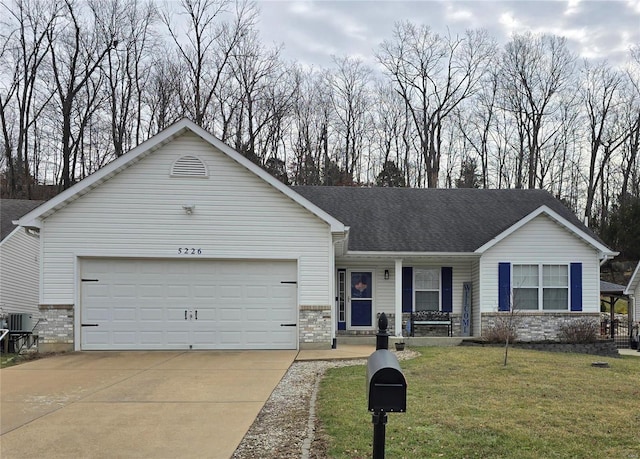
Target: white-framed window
426, 287
540, 287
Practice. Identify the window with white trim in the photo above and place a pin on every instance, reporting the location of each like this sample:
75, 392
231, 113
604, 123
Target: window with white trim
426, 287
541, 287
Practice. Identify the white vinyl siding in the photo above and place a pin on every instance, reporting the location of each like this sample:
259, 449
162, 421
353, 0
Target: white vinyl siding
19, 279
541, 242
139, 213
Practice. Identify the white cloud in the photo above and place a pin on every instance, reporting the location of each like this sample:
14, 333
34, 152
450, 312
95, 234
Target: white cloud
510, 23
456, 13
634, 5
573, 7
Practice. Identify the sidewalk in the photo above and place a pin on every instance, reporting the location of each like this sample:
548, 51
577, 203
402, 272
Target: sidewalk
632, 352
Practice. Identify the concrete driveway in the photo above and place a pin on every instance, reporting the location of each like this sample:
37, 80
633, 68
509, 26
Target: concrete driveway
135, 404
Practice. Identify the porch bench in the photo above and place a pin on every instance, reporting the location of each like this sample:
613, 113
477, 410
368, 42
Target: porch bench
434, 318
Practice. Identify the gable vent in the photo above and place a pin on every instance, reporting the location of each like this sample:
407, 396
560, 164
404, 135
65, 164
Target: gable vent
189, 166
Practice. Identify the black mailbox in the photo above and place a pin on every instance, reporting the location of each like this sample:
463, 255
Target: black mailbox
387, 388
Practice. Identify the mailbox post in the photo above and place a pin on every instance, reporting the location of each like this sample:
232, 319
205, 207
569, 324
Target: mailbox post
386, 387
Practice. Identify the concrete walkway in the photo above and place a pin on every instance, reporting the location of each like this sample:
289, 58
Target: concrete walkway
135, 404
342, 352
631, 352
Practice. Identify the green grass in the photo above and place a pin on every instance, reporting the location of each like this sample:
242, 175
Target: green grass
8, 360
463, 403
11, 359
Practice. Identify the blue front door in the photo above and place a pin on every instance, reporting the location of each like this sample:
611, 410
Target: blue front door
361, 310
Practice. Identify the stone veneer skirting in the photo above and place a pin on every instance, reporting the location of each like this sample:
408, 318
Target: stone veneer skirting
55, 329
537, 326
314, 328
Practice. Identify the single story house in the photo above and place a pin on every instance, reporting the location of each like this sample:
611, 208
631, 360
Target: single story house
633, 292
19, 260
182, 243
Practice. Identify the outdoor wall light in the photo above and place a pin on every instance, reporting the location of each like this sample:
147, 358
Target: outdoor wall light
386, 274
188, 209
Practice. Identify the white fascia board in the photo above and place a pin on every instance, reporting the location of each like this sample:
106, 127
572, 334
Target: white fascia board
605, 252
33, 219
635, 279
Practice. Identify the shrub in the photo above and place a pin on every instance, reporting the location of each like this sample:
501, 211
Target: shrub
500, 331
579, 331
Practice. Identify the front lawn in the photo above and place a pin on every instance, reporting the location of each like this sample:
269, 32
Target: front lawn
462, 403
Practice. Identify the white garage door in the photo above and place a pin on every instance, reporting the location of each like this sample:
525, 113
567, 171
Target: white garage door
188, 304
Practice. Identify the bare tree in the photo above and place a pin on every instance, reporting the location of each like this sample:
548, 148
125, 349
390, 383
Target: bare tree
631, 118
434, 74
349, 95
261, 101
162, 96
206, 48
535, 70
76, 52
126, 69
310, 128
600, 89
33, 21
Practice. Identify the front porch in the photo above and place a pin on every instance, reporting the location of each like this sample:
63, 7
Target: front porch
368, 285
410, 341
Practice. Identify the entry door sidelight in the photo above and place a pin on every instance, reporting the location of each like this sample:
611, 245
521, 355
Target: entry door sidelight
361, 298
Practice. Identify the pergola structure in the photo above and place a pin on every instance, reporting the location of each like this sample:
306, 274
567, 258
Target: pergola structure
610, 293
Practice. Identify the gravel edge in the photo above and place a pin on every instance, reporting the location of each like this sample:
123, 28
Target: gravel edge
285, 427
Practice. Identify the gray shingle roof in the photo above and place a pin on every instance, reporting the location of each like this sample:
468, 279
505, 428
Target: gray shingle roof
429, 220
13, 209
611, 288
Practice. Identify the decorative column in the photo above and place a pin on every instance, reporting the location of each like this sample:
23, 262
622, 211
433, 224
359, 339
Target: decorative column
398, 279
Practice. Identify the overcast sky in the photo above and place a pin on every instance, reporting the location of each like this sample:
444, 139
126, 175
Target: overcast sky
312, 31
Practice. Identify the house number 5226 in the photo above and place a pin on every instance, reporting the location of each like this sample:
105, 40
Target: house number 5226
189, 251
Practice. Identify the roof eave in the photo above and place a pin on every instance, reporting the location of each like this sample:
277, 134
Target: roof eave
635, 279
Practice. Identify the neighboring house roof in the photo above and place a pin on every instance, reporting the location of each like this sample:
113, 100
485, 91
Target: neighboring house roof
634, 282
33, 219
11, 210
609, 288
437, 220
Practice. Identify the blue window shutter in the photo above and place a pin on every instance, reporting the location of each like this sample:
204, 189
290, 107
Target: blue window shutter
504, 286
446, 274
407, 289
576, 286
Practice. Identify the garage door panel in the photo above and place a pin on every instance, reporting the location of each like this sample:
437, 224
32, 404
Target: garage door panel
204, 291
229, 304
125, 314
152, 314
150, 337
124, 291
177, 291
152, 291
